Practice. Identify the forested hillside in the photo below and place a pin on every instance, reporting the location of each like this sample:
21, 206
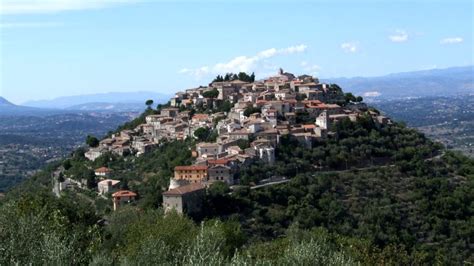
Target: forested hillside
369, 194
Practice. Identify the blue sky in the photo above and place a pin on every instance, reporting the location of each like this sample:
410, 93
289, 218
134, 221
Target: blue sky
52, 48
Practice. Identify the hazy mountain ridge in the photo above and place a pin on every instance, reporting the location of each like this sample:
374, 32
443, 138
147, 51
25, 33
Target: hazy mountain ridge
10, 109
105, 106
5, 102
436, 82
70, 102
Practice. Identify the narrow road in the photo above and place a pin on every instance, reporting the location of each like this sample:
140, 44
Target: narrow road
340, 171
270, 184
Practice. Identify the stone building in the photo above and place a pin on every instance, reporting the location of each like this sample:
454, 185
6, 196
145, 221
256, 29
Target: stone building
107, 186
220, 173
122, 197
192, 173
185, 199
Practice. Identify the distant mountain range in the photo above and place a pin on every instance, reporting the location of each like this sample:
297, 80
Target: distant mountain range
119, 101
5, 103
8, 108
436, 82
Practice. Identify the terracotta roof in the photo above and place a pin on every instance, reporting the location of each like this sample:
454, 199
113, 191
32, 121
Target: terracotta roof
124, 193
184, 189
200, 116
238, 81
191, 168
316, 102
218, 161
207, 144
310, 126
105, 181
103, 170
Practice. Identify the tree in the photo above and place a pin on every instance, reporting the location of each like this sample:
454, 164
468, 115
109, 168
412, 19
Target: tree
252, 77
349, 97
67, 164
92, 141
211, 94
359, 99
219, 78
201, 133
61, 177
149, 103
250, 110
231, 76
218, 188
225, 106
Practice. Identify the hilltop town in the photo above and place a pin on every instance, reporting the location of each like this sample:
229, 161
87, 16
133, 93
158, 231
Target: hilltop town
257, 162
235, 120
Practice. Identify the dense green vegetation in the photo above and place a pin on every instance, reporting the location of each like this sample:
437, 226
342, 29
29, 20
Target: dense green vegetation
425, 209
354, 145
211, 94
231, 76
205, 134
369, 194
40, 229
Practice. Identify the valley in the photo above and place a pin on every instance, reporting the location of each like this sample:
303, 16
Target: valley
28, 143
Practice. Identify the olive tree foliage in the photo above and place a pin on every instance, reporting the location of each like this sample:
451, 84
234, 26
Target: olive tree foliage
154, 239
33, 232
300, 247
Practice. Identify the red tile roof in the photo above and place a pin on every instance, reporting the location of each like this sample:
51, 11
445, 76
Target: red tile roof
218, 161
103, 170
184, 189
200, 116
191, 168
124, 193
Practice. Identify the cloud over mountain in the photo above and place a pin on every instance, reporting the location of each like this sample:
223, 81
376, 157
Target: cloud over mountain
243, 63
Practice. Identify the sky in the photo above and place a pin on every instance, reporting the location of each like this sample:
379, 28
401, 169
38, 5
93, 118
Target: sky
53, 48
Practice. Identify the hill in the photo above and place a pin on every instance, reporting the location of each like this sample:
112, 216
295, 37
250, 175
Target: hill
4, 102
89, 101
436, 82
9, 109
334, 183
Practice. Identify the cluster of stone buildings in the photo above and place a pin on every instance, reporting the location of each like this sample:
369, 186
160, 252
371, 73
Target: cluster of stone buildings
124, 143
282, 101
262, 112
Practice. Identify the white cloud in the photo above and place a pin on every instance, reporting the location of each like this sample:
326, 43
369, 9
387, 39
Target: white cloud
452, 40
310, 68
11, 25
11, 7
195, 72
294, 49
399, 36
349, 47
243, 63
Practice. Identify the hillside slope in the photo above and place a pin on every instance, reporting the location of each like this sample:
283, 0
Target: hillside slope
367, 192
